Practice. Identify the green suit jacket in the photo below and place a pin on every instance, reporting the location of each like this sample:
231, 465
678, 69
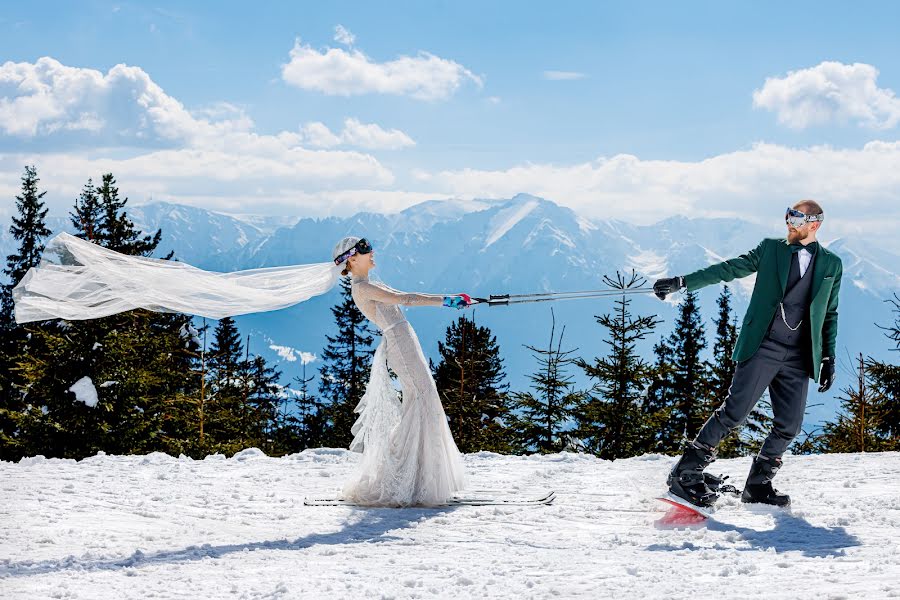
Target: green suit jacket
771, 261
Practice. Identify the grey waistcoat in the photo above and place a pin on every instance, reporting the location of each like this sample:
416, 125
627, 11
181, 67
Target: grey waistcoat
796, 306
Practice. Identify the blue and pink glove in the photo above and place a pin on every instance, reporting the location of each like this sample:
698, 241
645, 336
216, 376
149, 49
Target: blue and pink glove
458, 301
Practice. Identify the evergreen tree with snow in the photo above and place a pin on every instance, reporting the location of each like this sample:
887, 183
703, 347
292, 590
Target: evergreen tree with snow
470, 380
347, 360
613, 421
30, 231
138, 362
545, 416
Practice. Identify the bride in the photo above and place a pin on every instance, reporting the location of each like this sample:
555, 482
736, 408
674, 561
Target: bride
409, 456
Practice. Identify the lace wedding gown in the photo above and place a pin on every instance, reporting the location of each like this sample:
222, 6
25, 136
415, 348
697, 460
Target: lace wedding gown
408, 453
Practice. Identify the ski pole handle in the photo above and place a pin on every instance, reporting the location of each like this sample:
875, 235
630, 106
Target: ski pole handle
493, 300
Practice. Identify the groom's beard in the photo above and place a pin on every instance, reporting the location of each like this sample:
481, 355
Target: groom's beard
794, 236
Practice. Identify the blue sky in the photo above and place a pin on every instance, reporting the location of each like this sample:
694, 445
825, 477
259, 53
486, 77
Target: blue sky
656, 115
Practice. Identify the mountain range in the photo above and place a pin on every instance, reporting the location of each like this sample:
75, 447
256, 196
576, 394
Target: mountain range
519, 245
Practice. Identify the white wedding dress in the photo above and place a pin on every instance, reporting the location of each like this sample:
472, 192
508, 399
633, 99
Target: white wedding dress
408, 454
409, 457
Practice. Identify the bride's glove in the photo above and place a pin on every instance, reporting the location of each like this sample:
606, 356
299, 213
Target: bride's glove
458, 301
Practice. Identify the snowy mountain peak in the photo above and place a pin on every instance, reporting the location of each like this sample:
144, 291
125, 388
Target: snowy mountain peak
507, 218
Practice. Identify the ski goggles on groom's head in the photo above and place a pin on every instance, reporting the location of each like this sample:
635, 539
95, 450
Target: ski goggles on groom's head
797, 219
361, 247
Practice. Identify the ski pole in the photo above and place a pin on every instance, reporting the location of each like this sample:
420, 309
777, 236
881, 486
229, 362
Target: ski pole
507, 299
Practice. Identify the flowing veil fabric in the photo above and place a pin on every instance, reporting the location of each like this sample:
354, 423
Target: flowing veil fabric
77, 280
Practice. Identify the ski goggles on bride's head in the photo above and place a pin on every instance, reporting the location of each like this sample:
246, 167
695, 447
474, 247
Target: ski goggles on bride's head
797, 219
361, 247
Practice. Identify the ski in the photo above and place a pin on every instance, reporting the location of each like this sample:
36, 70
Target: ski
546, 499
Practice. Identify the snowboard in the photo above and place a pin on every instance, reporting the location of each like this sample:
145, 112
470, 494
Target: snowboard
682, 512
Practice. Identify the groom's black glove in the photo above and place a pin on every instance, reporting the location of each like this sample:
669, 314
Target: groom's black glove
826, 374
670, 285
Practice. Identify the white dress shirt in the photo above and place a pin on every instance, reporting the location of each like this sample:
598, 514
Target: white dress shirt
804, 257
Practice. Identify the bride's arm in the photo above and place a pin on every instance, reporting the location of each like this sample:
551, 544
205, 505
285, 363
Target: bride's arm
381, 293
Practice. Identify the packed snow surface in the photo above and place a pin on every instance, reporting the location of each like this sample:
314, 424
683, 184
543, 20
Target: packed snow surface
161, 527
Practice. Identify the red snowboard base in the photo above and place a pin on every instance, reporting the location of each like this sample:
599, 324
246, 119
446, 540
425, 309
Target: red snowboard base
682, 512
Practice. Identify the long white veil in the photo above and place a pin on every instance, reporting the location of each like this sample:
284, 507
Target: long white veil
78, 280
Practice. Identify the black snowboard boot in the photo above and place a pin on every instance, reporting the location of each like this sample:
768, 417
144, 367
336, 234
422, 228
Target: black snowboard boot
758, 488
687, 479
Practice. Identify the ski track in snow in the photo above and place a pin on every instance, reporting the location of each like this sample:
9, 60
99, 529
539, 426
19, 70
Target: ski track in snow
155, 526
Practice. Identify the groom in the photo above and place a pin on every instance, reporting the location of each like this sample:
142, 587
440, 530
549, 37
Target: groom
788, 336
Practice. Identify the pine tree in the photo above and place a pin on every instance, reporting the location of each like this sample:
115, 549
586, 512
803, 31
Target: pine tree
721, 370
660, 399
88, 214
264, 400
885, 381
687, 392
347, 360
309, 422
226, 389
885, 378
470, 382
856, 428
118, 232
613, 422
185, 431
29, 229
139, 361
545, 417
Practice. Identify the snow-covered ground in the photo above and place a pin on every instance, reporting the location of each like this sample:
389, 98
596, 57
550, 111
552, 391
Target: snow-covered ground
161, 527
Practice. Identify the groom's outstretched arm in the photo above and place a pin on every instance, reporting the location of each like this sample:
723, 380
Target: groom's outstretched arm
734, 268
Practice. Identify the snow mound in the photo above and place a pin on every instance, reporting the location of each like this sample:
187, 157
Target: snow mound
85, 391
249, 454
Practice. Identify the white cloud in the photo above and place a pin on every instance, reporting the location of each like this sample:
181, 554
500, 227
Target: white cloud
360, 135
122, 122
343, 36
371, 136
563, 75
122, 107
318, 135
751, 183
830, 92
340, 72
